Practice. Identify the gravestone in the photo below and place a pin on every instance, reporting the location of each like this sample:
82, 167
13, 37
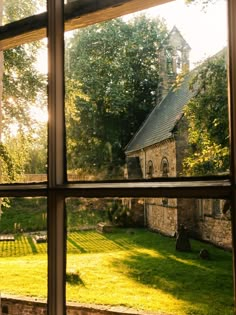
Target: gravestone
103, 227
40, 238
182, 240
204, 254
7, 237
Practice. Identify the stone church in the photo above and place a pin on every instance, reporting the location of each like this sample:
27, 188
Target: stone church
158, 149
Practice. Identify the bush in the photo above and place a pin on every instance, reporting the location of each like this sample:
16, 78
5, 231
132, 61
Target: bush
119, 214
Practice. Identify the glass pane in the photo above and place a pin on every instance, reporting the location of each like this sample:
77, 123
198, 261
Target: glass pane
14, 10
147, 97
23, 114
23, 255
168, 256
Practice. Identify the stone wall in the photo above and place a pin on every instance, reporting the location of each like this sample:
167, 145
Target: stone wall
166, 215
156, 153
161, 218
216, 231
23, 306
160, 213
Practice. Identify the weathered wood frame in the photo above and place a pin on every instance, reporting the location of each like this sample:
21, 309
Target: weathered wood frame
51, 24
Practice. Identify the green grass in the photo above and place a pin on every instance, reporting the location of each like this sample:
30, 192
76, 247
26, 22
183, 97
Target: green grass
141, 270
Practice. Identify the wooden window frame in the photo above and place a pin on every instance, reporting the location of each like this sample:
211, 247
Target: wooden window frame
52, 24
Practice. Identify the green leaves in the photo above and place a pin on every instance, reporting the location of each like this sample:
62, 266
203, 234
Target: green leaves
207, 116
115, 65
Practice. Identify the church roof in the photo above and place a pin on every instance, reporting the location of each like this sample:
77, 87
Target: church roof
160, 123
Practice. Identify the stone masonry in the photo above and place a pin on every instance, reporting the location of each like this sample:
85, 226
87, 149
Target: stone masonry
27, 306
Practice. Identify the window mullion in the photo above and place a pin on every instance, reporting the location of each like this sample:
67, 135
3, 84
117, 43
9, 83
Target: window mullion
56, 159
56, 254
232, 119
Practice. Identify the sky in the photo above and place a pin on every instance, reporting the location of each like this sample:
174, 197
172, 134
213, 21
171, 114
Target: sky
204, 30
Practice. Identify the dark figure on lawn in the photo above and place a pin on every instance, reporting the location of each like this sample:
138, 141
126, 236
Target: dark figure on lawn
182, 240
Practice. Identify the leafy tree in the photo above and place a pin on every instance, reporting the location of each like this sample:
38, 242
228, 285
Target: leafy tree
114, 67
23, 88
14, 10
207, 116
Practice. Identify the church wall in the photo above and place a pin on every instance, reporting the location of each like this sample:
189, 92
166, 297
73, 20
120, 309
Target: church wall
216, 231
165, 215
161, 218
166, 149
160, 213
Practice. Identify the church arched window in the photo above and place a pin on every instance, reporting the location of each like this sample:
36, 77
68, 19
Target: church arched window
164, 172
150, 169
164, 167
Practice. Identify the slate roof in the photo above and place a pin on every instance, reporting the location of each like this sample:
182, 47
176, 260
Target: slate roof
160, 123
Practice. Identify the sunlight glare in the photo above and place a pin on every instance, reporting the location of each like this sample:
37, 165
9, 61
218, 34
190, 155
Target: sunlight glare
38, 114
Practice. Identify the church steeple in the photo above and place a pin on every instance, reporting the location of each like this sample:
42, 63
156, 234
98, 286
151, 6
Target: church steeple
173, 59
181, 51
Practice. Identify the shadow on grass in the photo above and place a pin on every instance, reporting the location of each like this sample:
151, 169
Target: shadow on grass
74, 278
205, 284
32, 245
94, 242
76, 245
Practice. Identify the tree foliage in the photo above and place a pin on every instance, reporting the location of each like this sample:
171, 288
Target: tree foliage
14, 10
207, 116
114, 66
23, 89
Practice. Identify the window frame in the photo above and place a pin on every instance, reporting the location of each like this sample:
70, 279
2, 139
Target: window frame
57, 188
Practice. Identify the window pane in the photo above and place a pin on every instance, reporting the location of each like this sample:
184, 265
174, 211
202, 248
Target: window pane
14, 10
147, 98
170, 256
23, 252
23, 117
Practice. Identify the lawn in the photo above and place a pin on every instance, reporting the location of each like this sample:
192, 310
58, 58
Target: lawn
133, 268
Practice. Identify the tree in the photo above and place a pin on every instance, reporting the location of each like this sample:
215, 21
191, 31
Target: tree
22, 86
114, 67
13, 10
207, 116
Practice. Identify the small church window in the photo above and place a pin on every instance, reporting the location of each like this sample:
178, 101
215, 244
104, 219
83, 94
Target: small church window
164, 171
164, 167
165, 202
150, 169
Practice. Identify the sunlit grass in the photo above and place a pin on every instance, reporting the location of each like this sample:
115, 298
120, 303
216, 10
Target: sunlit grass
140, 270
24, 276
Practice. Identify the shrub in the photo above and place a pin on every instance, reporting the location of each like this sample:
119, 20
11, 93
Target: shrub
119, 214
